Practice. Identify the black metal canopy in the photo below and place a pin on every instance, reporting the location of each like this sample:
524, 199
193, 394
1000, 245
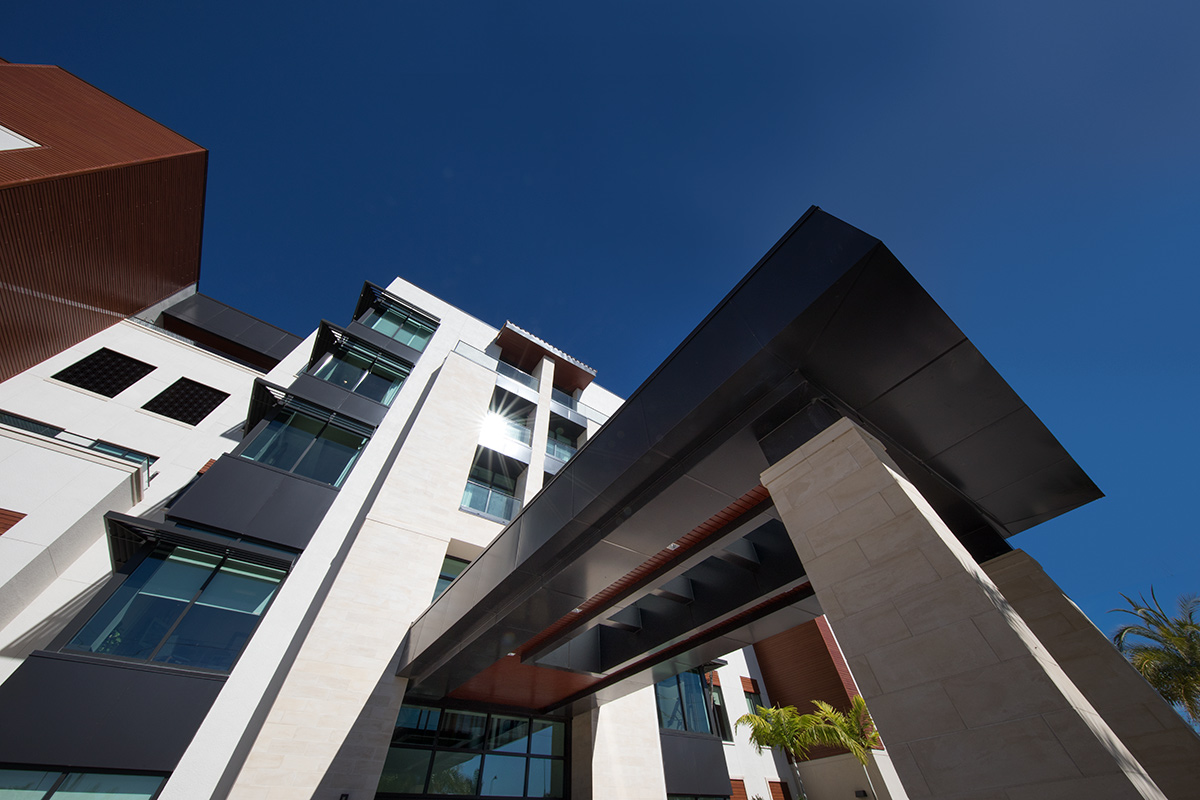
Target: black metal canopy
827, 324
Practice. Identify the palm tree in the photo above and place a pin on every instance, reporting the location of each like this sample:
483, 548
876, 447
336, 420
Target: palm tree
1169, 658
778, 727
796, 733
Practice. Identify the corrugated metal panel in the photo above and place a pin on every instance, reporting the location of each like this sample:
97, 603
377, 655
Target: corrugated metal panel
737, 790
101, 221
9, 518
79, 127
80, 253
751, 685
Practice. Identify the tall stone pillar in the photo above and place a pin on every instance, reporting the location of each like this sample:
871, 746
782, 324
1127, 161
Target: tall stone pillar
969, 703
1157, 736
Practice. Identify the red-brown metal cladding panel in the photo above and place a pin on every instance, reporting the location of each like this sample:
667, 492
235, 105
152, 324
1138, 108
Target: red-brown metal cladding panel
804, 664
9, 518
100, 221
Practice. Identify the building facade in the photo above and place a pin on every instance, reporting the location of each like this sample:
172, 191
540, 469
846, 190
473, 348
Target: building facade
413, 555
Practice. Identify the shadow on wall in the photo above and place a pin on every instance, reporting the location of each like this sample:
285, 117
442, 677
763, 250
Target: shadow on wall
41, 634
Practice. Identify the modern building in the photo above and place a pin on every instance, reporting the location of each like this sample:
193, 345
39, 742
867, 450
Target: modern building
414, 555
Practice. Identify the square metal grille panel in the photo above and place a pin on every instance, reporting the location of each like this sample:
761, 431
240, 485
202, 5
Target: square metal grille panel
186, 401
105, 372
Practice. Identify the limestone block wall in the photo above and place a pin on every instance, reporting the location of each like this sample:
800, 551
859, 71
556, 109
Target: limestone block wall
969, 702
1156, 735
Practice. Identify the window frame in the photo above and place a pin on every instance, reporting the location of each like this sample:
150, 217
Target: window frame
65, 773
435, 745
376, 357
117, 580
383, 304
326, 418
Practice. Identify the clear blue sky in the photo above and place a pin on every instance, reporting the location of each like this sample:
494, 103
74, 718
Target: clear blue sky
602, 174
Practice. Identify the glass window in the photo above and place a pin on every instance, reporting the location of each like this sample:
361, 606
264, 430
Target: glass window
670, 705
753, 701
491, 493
182, 606
302, 444
455, 773
34, 784
683, 703
451, 568
462, 729
405, 770
416, 725
695, 702
474, 753
503, 776
721, 715
510, 734
398, 324
548, 738
545, 777
362, 371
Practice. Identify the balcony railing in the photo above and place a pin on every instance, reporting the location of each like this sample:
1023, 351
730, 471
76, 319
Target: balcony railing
559, 450
515, 430
489, 502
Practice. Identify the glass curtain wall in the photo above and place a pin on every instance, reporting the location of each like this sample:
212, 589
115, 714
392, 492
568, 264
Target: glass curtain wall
438, 751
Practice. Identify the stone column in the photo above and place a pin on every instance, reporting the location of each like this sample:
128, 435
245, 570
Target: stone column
969, 703
1156, 735
535, 476
627, 761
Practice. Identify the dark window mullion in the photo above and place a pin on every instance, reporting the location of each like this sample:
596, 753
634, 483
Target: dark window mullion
308, 447
62, 776
187, 608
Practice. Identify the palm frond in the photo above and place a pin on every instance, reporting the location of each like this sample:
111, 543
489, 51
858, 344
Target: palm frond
1165, 649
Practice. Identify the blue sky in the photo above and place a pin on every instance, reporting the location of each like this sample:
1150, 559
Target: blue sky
602, 174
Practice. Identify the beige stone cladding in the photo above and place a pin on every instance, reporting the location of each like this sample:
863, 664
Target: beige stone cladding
968, 701
1157, 736
616, 753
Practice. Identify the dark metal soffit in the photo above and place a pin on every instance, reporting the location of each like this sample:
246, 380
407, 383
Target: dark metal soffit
827, 319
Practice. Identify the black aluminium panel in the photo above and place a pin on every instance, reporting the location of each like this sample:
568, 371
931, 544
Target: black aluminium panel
828, 314
237, 326
240, 496
694, 764
76, 712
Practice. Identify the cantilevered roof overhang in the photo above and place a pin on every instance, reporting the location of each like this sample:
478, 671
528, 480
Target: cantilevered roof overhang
656, 548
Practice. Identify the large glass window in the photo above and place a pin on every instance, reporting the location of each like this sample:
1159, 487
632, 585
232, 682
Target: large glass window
36, 784
362, 371
400, 325
182, 606
449, 752
683, 703
305, 445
